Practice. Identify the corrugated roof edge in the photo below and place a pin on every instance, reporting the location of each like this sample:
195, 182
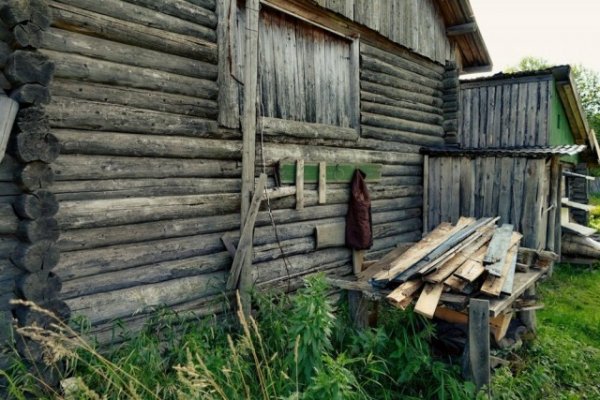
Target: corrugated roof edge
525, 152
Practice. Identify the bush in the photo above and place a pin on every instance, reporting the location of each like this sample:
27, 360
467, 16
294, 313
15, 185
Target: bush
296, 349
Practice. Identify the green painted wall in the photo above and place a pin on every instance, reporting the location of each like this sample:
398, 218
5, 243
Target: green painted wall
560, 131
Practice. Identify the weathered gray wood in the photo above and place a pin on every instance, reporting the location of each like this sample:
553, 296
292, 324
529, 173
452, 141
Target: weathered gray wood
43, 255
322, 182
379, 94
529, 317
299, 184
371, 129
426, 197
479, 342
497, 249
277, 127
8, 220
39, 204
331, 235
508, 286
399, 119
144, 16
39, 229
31, 94
25, 66
35, 176
104, 307
229, 107
406, 88
181, 9
39, 287
73, 66
30, 147
377, 104
137, 98
76, 19
245, 245
8, 112
122, 144
60, 40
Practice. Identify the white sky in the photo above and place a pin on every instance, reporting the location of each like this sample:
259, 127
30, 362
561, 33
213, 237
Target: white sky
561, 31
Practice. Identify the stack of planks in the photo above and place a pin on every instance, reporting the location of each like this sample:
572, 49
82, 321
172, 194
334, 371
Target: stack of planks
453, 263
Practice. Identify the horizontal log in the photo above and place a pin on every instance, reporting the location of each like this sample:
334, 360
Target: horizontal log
374, 127
425, 121
66, 113
401, 170
96, 24
274, 152
418, 83
110, 189
137, 98
144, 16
408, 90
35, 176
39, 204
25, 66
38, 230
8, 168
414, 181
39, 287
378, 92
31, 94
278, 127
36, 257
73, 66
83, 167
96, 213
28, 317
84, 45
122, 144
434, 71
402, 125
35, 12
292, 247
109, 306
145, 275
181, 9
9, 221
36, 147
27, 36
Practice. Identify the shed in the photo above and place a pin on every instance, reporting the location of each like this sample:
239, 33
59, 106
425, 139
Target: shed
144, 124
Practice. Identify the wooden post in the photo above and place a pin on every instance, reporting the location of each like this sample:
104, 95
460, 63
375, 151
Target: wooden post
358, 305
299, 184
528, 317
425, 194
479, 342
322, 182
249, 135
555, 178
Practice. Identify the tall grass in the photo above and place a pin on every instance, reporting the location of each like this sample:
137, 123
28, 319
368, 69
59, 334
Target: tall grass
296, 348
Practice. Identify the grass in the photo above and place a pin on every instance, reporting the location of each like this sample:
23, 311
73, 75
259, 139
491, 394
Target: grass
298, 348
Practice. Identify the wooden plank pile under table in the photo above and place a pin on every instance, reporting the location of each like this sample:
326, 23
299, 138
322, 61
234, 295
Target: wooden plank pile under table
456, 263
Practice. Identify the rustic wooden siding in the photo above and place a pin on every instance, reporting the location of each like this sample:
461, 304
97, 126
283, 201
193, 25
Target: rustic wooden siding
505, 113
305, 73
134, 107
516, 189
415, 24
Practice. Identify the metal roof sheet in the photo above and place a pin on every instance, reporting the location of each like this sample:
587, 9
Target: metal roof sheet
526, 152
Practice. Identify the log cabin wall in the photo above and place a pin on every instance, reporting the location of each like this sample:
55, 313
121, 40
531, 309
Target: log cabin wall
146, 102
519, 190
506, 113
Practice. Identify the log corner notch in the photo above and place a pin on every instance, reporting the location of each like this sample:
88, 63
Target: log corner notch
451, 96
27, 73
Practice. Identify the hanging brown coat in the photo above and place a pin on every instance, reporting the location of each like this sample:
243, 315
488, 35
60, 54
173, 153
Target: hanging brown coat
359, 232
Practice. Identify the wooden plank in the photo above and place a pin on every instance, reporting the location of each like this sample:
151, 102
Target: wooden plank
426, 186
578, 229
498, 248
523, 281
450, 266
299, 184
358, 258
493, 284
573, 204
479, 342
8, 112
473, 268
336, 173
322, 182
429, 299
330, 235
499, 325
404, 293
507, 287
245, 243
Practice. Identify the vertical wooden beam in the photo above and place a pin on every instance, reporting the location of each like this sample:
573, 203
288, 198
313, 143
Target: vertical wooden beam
229, 109
425, 194
322, 182
555, 178
249, 135
355, 88
358, 305
299, 184
479, 342
529, 318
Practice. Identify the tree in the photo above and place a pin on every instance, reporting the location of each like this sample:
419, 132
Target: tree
587, 81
